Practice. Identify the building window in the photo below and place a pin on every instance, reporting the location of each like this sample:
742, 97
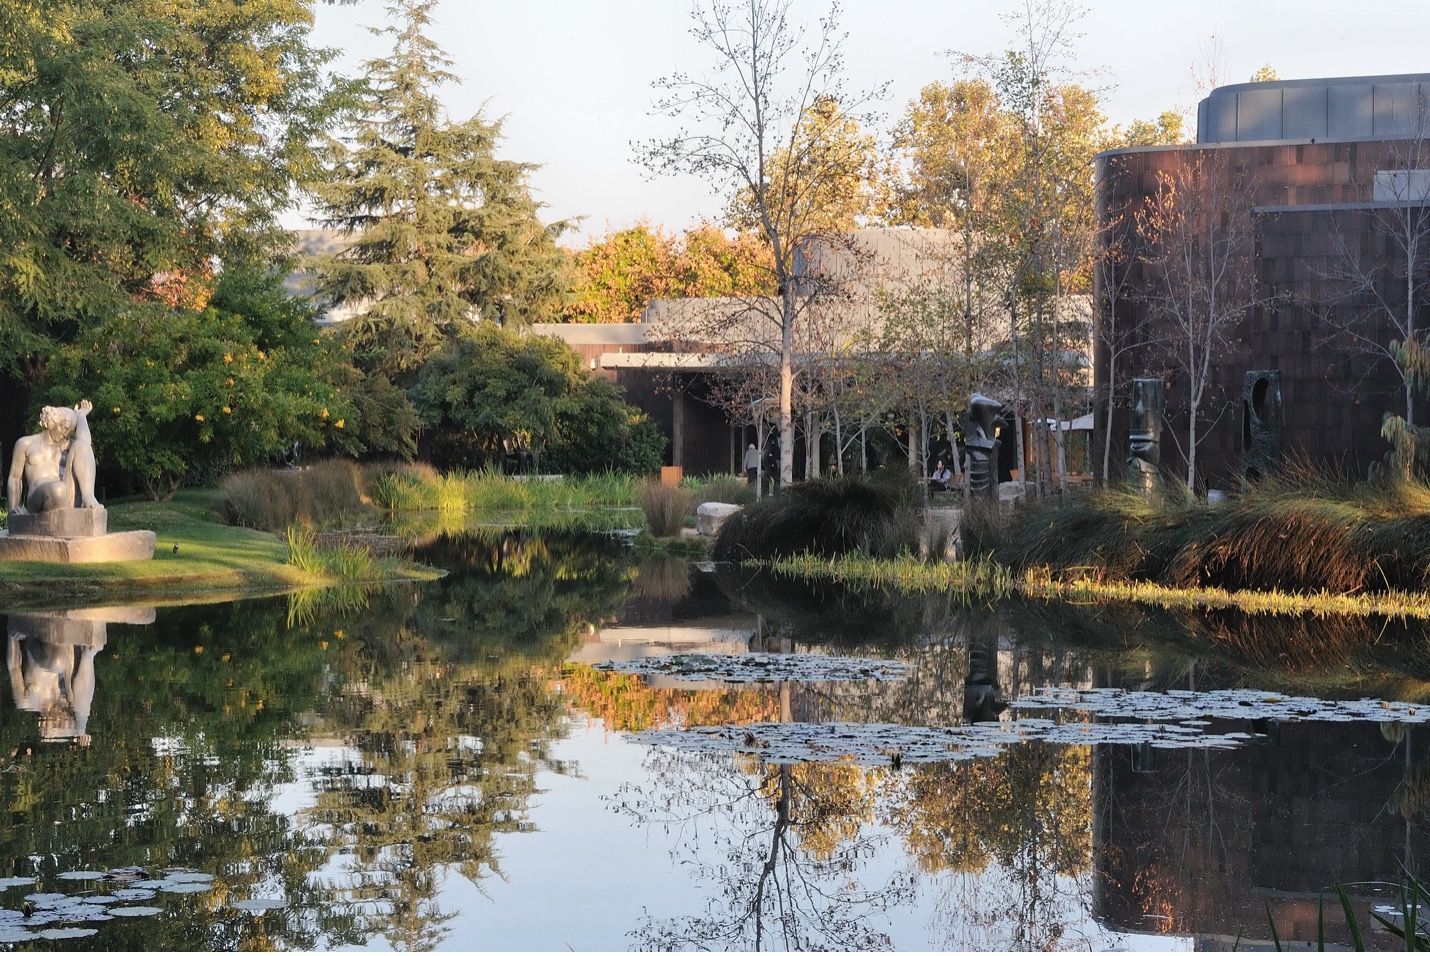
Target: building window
1402, 185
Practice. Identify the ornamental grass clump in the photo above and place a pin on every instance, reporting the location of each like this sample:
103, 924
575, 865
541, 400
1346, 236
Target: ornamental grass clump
665, 507
877, 514
324, 494
1303, 532
722, 488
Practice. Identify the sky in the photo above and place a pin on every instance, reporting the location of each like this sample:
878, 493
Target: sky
571, 79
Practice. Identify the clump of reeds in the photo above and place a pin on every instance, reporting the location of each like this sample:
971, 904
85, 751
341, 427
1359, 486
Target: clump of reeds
977, 577
878, 514
664, 506
344, 562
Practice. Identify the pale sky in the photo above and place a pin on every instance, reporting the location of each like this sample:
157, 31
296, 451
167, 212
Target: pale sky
573, 77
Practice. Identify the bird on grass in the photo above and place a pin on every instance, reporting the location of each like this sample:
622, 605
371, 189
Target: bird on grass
176, 549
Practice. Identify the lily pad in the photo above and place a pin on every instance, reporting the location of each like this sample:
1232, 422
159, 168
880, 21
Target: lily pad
135, 911
68, 932
150, 884
14, 934
132, 894
896, 744
101, 900
260, 906
8, 881
761, 668
82, 875
1234, 704
186, 886
11, 916
40, 899
188, 876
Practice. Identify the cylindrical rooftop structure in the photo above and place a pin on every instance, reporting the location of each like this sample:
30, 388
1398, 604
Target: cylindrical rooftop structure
1339, 108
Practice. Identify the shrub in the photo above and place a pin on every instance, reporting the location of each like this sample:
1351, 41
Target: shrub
492, 391
877, 514
664, 507
182, 395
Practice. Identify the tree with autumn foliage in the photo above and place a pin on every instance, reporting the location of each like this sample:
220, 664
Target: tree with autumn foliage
618, 275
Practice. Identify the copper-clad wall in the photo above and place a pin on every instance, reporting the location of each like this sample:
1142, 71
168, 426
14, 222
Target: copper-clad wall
1333, 400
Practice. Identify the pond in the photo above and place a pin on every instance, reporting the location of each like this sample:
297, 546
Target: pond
565, 743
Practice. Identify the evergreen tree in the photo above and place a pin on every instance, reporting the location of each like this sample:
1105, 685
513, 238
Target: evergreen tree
445, 233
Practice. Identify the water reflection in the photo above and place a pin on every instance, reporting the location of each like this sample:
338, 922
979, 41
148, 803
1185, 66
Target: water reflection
50, 657
375, 760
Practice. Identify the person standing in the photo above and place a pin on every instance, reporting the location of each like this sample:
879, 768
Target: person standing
752, 464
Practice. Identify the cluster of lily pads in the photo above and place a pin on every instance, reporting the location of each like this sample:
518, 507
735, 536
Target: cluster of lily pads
1184, 706
762, 668
55, 915
896, 744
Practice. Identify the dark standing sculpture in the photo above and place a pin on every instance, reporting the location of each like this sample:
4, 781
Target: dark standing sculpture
1144, 441
980, 437
1260, 423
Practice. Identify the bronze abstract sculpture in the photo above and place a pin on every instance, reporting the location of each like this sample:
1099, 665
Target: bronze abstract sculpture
1144, 441
980, 437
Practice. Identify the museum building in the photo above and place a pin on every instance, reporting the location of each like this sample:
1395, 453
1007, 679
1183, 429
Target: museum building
1325, 182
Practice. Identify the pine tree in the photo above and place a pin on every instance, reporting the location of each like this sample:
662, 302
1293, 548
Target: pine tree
445, 232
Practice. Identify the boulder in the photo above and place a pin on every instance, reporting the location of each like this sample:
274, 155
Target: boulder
711, 515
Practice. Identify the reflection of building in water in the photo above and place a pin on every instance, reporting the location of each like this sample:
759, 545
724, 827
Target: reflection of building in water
1202, 842
50, 656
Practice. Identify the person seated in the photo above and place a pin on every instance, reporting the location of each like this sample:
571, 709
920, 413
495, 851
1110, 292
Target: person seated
941, 477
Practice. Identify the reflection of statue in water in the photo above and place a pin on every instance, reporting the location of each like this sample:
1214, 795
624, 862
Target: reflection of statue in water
55, 681
51, 662
54, 468
980, 438
981, 698
1144, 442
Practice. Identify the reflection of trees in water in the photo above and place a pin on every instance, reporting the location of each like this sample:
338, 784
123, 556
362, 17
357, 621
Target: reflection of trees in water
441, 697
781, 846
627, 702
1027, 812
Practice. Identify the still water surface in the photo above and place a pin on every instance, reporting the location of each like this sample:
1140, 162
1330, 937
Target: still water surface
452, 766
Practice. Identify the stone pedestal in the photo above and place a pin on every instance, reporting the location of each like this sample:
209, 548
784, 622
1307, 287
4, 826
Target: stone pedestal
62, 523
121, 546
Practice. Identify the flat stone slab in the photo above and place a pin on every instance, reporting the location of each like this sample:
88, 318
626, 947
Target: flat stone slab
62, 523
120, 546
711, 515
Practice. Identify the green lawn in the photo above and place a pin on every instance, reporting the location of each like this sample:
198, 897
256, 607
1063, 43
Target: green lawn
196, 555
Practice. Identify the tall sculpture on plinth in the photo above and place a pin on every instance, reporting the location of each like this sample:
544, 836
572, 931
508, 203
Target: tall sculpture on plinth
54, 515
980, 437
1144, 440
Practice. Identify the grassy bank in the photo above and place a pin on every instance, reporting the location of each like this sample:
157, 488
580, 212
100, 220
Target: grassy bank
983, 579
197, 552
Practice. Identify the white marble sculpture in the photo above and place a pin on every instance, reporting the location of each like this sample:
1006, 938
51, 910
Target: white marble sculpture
54, 468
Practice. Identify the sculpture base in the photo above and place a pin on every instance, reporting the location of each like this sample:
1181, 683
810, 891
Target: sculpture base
62, 523
120, 546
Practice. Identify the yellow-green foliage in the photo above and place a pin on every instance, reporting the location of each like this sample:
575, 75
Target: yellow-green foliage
421, 499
